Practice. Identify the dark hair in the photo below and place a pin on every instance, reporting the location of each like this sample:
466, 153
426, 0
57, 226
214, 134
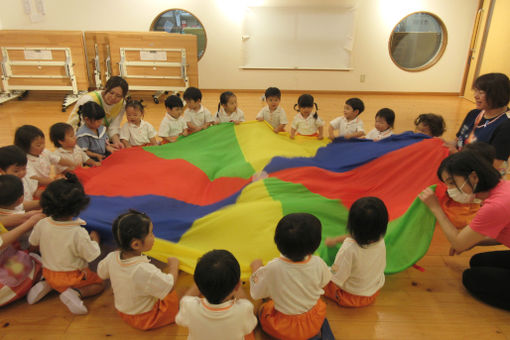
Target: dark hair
173, 101
224, 98
387, 114
24, 136
434, 122
11, 189
306, 100
91, 110
12, 155
64, 198
136, 104
298, 235
482, 149
192, 93
216, 275
58, 133
273, 92
496, 87
356, 104
464, 163
367, 221
129, 226
117, 81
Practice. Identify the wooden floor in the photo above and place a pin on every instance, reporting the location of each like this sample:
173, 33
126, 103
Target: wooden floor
431, 304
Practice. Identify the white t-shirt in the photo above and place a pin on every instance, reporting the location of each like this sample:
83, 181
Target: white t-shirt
137, 135
137, 284
172, 127
274, 118
359, 270
78, 156
376, 135
65, 246
345, 127
295, 287
230, 320
41, 165
223, 117
306, 126
29, 185
198, 118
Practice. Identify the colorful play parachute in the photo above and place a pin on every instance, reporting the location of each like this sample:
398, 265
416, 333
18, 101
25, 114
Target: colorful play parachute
228, 186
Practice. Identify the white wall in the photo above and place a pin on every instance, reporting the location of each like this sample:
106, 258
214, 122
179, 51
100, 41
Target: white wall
219, 68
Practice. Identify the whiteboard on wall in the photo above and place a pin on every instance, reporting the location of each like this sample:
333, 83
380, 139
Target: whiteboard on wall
298, 38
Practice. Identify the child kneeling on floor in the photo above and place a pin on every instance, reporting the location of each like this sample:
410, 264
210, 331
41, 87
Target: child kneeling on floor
143, 294
66, 248
294, 282
358, 271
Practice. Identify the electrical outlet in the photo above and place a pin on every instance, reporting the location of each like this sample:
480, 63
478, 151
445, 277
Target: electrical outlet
362, 78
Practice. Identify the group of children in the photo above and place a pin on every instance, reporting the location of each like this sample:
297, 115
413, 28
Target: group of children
216, 306
39, 211
306, 122
89, 145
178, 121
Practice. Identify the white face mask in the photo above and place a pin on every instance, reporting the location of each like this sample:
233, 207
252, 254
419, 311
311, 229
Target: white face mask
460, 196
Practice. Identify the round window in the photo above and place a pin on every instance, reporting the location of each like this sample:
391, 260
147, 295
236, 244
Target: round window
183, 22
418, 41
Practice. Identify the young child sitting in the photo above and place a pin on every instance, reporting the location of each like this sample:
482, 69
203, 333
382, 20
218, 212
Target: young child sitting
358, 270
31, 140
136, 131
197, 117
173, 124
66, 248
13, 161
430, 124
228, 111
294, 282
349, 126
273, 112
18, 270
92, 136
63, 137
384, 120
12, 215
144, 296
307, 122
223, 312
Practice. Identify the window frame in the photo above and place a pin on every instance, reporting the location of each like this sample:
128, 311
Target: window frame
437, 56
151, 28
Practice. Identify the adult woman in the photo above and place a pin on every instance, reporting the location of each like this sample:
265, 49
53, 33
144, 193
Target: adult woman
469, 178
112, 100
490, 121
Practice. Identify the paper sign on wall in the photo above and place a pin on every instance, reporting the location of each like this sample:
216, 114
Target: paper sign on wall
153, 55
38, 55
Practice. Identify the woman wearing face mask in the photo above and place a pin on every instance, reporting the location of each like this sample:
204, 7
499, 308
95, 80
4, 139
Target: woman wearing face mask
470, 178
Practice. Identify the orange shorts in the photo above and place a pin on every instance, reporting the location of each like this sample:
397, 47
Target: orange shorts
162, 314
60, 281
250, 336
292, 327
343, 298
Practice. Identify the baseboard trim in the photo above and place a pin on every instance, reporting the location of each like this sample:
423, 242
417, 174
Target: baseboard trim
344, 92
